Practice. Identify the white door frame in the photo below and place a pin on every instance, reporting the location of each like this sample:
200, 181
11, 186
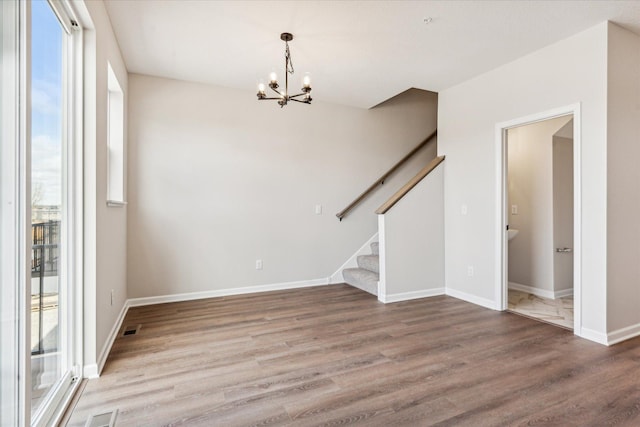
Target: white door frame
501, 287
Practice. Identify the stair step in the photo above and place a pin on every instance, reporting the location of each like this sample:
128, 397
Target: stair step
374, 248
369, 262
363, 279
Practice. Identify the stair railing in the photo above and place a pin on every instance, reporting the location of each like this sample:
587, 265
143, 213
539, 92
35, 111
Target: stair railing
409, 185
381, 180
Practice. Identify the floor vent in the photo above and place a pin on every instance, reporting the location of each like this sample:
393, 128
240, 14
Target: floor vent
106, 419
131, 330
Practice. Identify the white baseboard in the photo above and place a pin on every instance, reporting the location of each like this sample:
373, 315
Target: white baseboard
623, 334
592, 335
95, 369
406, 296
487, 303
137, 302
113, 334
563, 293
543, 293
352, 262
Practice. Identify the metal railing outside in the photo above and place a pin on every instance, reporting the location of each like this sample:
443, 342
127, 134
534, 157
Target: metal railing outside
45, 240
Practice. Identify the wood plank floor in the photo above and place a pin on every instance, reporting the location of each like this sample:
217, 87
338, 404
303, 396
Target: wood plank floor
334, 355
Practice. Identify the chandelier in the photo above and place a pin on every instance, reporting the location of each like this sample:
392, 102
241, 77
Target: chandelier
283, 95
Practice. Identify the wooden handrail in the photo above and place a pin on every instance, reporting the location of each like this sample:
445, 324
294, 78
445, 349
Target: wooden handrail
381, 180
409, 185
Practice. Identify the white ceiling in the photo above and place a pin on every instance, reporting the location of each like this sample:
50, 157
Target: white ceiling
359, 53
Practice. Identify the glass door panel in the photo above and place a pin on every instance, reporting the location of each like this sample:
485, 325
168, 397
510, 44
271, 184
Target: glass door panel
47, 284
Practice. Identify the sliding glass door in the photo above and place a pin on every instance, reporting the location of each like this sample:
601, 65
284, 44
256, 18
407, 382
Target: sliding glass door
48, 284
40, 218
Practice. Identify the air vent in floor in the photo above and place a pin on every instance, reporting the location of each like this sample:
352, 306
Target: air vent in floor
106, 419
131, 330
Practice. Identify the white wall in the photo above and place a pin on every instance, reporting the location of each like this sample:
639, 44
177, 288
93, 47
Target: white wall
530, 186
218, 180
570, 71
105, 228
563, 214
411, 242
623, 201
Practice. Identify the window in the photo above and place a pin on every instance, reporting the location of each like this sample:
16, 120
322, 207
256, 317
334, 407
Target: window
115, 180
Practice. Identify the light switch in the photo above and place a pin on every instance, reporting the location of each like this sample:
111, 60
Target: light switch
258, 264
318, 209
463, 210
514, 209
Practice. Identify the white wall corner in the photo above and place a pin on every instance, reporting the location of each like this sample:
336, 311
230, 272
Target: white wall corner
352, 262
493, 305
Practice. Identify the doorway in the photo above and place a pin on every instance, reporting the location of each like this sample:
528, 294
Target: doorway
538, 204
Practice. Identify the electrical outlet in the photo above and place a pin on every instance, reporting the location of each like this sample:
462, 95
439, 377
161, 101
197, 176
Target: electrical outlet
318, 209
113, 292
258, 264
470, 271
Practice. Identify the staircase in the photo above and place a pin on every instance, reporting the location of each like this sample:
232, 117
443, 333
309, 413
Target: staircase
367, 274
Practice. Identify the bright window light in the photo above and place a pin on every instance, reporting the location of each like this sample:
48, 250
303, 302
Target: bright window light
115, 180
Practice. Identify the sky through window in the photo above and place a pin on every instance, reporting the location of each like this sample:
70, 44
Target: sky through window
46, 105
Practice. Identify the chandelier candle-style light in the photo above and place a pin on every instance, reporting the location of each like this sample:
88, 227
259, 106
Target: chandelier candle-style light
283, 95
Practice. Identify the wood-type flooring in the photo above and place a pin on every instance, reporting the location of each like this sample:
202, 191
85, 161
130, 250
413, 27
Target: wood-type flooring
333, 355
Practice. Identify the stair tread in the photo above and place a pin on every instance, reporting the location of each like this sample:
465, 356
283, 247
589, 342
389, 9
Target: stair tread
366, 280
369, 262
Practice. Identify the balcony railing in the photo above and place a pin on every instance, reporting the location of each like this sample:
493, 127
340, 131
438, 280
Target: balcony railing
45, 240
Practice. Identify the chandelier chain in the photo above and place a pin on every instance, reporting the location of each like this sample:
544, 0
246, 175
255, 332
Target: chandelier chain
287, 56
